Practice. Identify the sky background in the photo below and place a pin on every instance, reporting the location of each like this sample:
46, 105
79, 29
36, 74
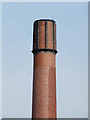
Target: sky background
71, 60
0, 60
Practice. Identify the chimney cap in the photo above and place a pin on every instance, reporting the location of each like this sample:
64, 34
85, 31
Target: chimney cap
44, 20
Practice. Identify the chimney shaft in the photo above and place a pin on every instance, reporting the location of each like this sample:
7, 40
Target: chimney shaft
44, 70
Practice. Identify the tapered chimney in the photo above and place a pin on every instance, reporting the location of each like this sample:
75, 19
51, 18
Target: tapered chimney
44, 70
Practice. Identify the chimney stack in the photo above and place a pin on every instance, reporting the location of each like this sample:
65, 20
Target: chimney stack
44, 70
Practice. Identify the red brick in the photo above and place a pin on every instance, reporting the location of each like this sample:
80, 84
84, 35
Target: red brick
44, 73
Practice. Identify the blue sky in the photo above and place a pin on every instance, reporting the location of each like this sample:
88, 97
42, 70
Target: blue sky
0, 61
71, 60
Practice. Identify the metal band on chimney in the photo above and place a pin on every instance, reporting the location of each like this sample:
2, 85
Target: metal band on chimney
53, 36
37, 35
33, 37
44, 50
45, 34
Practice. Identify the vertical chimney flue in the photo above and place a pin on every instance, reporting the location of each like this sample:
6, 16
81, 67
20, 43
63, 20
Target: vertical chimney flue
44, 70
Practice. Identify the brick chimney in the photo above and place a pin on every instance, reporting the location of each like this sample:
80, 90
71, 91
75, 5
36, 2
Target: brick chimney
44, 70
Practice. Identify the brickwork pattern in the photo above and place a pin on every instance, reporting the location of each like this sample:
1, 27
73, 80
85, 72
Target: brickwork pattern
39, 35
44, 72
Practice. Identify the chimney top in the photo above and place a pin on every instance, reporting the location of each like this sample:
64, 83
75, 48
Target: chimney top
44, 20
44, 36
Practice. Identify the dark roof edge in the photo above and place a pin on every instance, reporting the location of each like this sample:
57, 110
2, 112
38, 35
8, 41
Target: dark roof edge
44, 20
